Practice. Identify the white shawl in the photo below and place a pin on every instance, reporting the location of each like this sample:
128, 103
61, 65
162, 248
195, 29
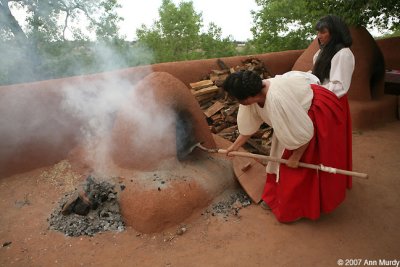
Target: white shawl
285, 110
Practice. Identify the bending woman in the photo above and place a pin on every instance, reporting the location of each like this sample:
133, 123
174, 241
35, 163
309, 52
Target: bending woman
310, 125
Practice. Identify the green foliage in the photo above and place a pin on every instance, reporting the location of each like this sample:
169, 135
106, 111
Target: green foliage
213, 45
177, 35
106, 25
289, 24
41, 51
381, 14
49, 20
282, 25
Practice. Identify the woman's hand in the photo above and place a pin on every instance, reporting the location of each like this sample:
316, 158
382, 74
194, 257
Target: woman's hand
294, 159
237, 144
230, 149
292, 163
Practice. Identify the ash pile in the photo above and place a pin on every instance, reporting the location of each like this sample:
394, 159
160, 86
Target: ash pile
231, 206
92, 208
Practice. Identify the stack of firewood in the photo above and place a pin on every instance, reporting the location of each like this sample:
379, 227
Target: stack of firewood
221, 110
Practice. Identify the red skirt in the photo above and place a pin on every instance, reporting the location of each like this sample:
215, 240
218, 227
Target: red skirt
303, 192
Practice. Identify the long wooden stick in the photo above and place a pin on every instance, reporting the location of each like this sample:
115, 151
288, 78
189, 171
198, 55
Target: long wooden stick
301, 164
274, 159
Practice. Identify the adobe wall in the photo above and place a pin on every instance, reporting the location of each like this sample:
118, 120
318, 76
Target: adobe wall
38, 109
390, 50
196, 70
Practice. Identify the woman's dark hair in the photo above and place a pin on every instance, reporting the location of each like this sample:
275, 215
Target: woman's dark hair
340, 38
243, 84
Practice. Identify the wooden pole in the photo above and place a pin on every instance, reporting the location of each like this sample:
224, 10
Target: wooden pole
301, 164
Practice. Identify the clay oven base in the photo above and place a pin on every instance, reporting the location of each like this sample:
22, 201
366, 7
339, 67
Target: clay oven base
154, 201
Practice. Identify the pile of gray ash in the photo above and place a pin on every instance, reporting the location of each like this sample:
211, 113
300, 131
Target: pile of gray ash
91, 208
231, 205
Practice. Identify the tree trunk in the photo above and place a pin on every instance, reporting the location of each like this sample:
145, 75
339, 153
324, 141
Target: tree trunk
8, 20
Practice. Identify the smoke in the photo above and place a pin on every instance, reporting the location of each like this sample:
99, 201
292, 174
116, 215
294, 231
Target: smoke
153, 121
26, 61
25, 117
99, 103
81, 111
95, 104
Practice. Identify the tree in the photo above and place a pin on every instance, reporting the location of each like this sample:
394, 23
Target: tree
213, 45
281, 25
50, 20
40, 50
106, 24
177, 35
289, 24
384, 15
8, 24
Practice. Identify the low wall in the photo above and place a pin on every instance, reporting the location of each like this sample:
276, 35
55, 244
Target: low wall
196, 70
41, 123
390, 50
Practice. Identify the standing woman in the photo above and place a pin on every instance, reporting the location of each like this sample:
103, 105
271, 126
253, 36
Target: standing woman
334, 62
334, 66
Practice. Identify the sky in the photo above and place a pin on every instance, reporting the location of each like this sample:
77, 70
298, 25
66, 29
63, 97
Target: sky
232, 16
